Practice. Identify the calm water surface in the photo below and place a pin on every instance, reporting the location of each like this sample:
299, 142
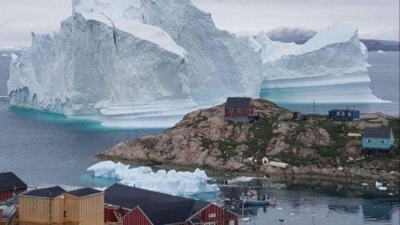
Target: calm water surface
47, 149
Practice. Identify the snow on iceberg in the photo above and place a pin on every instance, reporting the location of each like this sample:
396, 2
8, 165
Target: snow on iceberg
170, 182
146, 63
330, 67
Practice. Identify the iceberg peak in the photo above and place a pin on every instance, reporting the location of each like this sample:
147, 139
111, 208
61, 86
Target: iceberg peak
146, 63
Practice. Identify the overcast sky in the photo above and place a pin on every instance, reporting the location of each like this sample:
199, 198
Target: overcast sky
377, 19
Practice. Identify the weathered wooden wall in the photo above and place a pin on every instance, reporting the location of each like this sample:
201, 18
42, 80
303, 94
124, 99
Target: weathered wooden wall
92, 209
40, 210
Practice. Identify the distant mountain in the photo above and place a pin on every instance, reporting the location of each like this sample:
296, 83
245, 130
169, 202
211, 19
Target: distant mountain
376, 45
301, 35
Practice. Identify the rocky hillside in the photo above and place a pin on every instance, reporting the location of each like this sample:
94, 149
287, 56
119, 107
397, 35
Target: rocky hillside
311, 146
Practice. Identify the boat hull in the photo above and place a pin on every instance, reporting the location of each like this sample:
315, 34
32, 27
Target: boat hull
249, 203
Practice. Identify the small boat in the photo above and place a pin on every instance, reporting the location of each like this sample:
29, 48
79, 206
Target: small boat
247, 201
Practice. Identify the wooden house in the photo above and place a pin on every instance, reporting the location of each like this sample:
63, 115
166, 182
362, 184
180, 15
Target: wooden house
344, 115
10, 184
239, 109
42, 206
296, 115
56, 206
145, 207
378, 139
84, 206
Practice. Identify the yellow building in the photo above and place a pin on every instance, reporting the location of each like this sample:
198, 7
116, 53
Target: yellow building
55, 206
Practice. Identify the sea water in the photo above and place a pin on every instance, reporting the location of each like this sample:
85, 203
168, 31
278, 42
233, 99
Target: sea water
47, 149
384, 75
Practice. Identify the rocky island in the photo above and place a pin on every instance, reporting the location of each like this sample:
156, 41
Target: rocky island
314, 147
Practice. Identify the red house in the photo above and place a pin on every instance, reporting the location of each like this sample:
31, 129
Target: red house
10, 184
238, 109
153, 208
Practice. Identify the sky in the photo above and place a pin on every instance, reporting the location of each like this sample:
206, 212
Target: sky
376, 19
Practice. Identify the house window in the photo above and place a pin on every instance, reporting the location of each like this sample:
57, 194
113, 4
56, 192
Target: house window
343, 113
369, 140
349, 114
212, 223
239, 110
231, 222
230, 110
212, 215
337, 113
382, 141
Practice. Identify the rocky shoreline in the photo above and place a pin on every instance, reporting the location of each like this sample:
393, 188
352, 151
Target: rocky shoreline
311, 148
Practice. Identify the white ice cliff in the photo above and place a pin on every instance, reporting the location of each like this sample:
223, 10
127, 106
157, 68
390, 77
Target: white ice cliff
145, 63
330, 68
171, 182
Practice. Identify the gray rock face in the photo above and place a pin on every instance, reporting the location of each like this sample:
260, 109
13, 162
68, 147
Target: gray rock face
204, 139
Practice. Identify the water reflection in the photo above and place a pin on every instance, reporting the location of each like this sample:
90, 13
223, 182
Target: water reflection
320, 203
377, 210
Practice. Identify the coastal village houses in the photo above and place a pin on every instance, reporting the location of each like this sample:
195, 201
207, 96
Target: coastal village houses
378, 140
117, 205
239, 109
138, 206
10, 185
54, 205
344, 115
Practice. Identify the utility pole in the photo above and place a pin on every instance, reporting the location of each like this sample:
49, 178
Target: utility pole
313, 112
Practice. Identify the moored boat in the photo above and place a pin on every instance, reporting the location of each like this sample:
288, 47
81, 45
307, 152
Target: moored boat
255, 201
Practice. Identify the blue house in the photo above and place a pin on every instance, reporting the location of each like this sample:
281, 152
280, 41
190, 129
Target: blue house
344, 114
378, 139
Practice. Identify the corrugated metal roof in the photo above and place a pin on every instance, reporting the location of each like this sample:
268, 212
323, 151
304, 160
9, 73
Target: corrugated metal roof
10, 181
377, 132
238, 102
160, 208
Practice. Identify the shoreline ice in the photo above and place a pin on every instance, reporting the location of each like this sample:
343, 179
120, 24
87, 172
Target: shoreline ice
169, 182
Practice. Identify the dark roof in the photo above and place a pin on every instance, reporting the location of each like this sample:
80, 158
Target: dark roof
160, 208
9, 181
377, 132
49, 192
84, 192
345, 110
238, 102
195, 220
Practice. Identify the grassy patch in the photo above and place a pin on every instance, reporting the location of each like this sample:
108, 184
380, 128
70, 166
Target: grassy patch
327, 151
292, 159
206, 143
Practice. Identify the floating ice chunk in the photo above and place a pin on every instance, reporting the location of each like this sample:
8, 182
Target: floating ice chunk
377, 184
170, 182
380, 51
102, 169
4, 55
241, 179
382, 188
364, 184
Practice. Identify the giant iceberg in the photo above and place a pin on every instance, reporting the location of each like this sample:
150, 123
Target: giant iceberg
329, 68
146, 63
171, 182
